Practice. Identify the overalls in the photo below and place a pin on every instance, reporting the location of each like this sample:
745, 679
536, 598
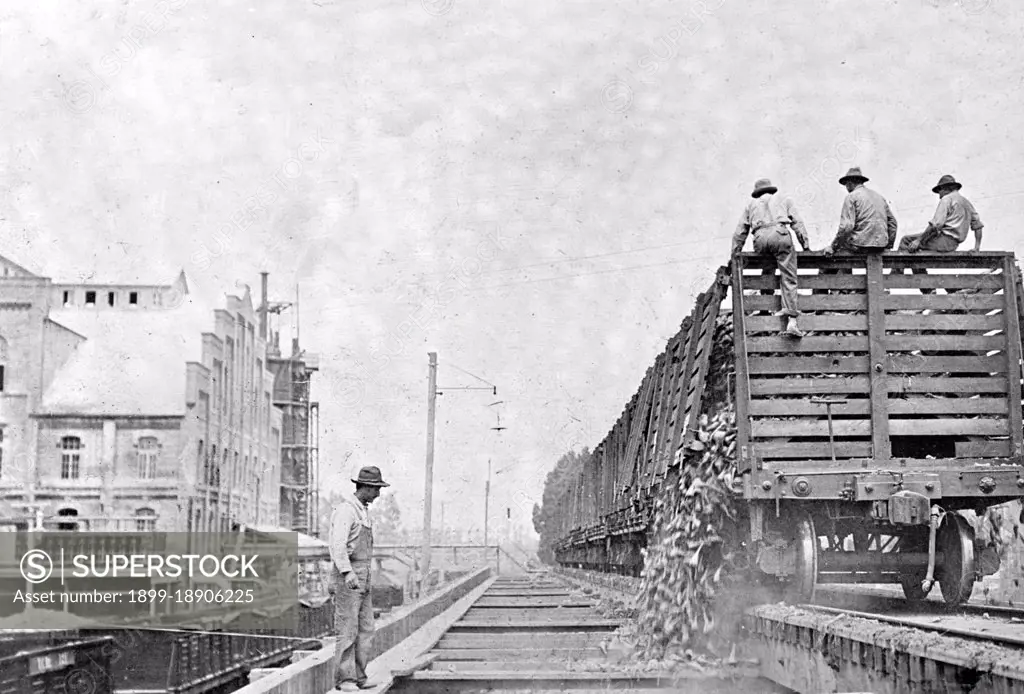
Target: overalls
353, 613
775, 239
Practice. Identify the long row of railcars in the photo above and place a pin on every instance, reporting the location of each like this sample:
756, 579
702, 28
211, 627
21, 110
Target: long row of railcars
860, 445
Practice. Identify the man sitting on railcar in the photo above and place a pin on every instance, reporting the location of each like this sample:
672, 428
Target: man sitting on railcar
948, 228
774, 220
866, 223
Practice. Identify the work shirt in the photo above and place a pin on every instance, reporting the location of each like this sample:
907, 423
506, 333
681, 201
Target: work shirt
772, 212
955, 215
866, 221
347, 523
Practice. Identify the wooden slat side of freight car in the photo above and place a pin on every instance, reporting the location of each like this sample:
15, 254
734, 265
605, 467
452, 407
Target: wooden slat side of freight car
927, 365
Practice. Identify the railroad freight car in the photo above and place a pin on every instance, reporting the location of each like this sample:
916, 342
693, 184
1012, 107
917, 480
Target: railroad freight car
862, 447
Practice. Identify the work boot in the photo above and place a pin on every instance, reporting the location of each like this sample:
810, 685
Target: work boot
347, 687
792, 330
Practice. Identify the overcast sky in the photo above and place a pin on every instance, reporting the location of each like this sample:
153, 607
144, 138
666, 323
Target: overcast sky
534, 190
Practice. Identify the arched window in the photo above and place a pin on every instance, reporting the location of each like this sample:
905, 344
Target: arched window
70, 457
148, 450
145, 520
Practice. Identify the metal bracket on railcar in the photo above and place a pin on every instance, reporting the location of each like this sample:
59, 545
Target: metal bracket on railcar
903, 508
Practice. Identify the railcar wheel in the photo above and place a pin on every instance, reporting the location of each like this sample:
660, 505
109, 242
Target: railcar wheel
956, 542
805, 576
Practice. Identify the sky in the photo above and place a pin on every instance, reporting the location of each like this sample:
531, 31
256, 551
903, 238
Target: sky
536, 191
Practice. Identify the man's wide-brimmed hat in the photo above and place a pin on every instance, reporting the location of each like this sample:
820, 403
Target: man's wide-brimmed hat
946, 181
853, 174
762, 186
370, 476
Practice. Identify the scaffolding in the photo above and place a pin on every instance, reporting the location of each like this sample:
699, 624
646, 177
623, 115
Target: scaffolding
300, 424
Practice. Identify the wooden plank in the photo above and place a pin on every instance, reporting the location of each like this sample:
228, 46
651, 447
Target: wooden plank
961, 302
702, 360
944, 281
926, 384
983, 449
809, 365
532, 625
913, 363
790, 407
949, 427
812, 302
778, 343
778, 428
763, 282
420, 663
928, 406
523, 654
946, 261
408, 652
862, 427
809, 386
943, 321
681, 398
638, 419
945, 343
743, 451
844, 449
552, 639
1013, 336
669, 401
848, 322
841, 385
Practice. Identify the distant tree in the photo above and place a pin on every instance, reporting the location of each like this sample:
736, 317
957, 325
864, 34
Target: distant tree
551, 517
328, 502
386, 515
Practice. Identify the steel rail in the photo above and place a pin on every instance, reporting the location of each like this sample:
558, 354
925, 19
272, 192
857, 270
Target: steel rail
909, 623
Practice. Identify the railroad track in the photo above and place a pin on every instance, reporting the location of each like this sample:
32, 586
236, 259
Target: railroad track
989, 623
880, 600
536, 634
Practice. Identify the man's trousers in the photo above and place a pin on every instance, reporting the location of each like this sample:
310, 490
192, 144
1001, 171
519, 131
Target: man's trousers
769, 241
353, 624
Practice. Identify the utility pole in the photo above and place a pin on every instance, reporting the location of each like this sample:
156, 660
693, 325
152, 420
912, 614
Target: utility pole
487, 500
429, 476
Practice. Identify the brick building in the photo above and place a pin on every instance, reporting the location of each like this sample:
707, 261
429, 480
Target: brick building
133, 407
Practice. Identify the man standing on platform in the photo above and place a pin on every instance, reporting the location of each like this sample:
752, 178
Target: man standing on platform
351, 546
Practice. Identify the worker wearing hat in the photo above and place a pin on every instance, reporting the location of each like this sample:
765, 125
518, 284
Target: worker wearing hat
866, 223
773, 220
351, 547
948, 228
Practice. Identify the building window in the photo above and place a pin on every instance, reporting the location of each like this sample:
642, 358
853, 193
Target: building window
148, 451
110, 298
212, 466
1, 452
70, 457
201, 464
67, 298
90, 298
68, 516
145, 520
133, 298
